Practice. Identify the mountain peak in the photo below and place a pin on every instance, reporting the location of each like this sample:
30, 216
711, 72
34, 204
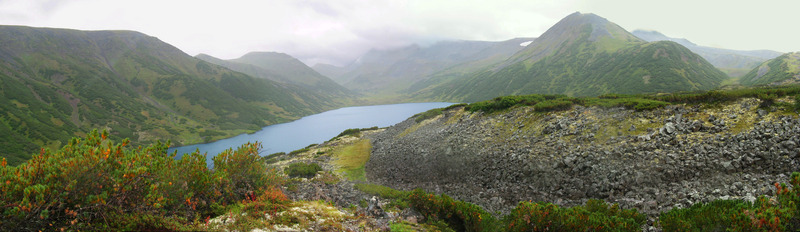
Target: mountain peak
600, 26
574, 30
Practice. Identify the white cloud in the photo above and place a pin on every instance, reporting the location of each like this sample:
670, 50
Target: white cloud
339, 31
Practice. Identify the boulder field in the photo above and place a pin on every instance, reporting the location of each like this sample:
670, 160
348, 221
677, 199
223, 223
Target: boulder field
649, 160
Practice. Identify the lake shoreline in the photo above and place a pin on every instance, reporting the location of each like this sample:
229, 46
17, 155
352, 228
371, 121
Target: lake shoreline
316, 128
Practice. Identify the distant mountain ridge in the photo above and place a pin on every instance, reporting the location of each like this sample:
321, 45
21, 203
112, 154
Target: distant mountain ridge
396, 69
733, 62
60, 83
286, 69
584, 55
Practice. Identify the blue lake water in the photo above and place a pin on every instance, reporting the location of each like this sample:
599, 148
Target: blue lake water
318, 128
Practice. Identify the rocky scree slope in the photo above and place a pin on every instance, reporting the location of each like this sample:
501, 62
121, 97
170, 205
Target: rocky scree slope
650, 160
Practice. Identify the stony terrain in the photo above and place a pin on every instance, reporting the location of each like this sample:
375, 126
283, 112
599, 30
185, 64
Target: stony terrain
346, 207
649, 160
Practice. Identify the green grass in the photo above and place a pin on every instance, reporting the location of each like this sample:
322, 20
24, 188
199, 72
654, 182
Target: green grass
352, 158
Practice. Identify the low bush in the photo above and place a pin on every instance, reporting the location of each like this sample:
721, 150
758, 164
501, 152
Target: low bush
459, 215
427, 115
738, 215
453, 106
95, 184
552, 105
354, 132
502, 103
303, 170
797, 102
298, 151
546, 103
250, 213
595, 215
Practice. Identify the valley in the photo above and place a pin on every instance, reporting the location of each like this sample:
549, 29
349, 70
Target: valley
587, 127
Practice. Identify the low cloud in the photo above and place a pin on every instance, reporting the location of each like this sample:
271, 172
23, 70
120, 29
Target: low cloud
335, 32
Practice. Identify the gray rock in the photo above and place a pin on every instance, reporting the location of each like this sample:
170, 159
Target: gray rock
727, 165
669, 128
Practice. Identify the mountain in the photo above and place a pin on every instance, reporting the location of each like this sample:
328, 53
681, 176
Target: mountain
784, 69
734, 62
286, 69
584, 55
382, 71
59, 83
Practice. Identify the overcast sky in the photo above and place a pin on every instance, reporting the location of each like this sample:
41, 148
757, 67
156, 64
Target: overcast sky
338, 31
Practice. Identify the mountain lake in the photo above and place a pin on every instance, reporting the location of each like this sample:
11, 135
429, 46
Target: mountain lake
317, 128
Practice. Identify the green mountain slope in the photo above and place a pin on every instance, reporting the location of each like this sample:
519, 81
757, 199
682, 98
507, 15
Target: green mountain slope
57, 83
733, 62
784, 69
585, 55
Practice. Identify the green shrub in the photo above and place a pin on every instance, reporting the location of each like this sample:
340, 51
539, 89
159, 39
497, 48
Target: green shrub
552, 105
242, 171
459, 215
595, 215
713, 216
88, 182
502, 103
546, 103
739, 215
427, 115
304, 170
298, 151
354, 132
453, 106
797, 102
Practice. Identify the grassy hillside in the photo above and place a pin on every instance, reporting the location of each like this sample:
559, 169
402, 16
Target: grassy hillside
55, 84
781, 70
585, 55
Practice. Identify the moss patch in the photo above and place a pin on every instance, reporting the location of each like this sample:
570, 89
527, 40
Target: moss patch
352, 158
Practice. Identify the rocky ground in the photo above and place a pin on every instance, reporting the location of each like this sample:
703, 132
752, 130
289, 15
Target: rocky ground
650, 160
329, 201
